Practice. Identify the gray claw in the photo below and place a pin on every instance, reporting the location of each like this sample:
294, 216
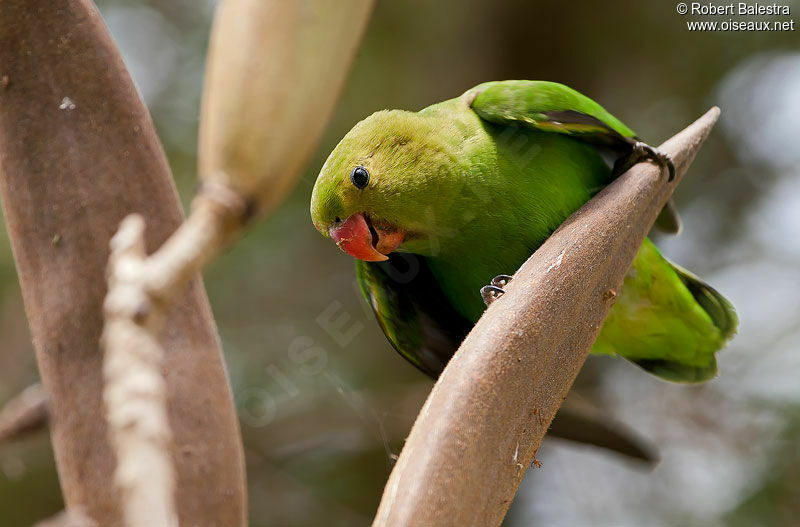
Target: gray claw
490, 293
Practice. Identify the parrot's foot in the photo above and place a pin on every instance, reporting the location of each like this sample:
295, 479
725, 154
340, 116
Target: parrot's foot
495, 290
642, 152
501, 280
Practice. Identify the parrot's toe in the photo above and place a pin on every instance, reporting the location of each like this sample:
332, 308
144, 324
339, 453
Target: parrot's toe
645, 151
501, 280
490, 293
642, 152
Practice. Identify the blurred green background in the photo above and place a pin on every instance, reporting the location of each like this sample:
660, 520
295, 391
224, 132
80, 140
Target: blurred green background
321, 437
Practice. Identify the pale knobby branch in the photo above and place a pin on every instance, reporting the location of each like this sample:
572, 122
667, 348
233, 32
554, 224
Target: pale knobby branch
141, 291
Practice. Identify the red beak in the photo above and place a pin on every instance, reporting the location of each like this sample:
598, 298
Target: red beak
359, 239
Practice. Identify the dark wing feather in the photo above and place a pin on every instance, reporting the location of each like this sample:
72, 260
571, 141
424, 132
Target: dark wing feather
415, 315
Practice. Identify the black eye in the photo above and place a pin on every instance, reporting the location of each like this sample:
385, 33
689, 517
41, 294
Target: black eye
359, 176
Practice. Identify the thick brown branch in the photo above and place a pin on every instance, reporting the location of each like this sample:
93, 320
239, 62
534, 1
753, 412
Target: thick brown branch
484, 420
78, 153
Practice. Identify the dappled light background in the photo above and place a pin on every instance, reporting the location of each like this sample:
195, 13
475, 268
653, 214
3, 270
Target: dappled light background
325, 403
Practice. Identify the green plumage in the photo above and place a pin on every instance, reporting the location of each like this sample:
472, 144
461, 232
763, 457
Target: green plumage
478, 183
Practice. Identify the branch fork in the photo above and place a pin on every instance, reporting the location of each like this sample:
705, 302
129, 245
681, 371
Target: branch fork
141, 291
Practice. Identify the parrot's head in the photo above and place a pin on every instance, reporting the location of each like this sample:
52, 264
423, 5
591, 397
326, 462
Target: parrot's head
383, 185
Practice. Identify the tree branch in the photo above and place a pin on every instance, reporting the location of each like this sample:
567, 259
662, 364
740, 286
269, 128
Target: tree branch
68, 518
272, 66
25, 413
78, 153
483, 422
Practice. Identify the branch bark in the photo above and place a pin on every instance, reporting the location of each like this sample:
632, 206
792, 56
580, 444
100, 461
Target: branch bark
482, 424
78, 152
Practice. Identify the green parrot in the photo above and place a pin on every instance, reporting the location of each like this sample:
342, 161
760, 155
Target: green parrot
436, 205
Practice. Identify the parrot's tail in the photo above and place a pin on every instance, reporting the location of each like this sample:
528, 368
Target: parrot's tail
722, 315
721, 311
667, 321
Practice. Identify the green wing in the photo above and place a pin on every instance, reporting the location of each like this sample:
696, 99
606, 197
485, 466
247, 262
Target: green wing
553, 107
549, 107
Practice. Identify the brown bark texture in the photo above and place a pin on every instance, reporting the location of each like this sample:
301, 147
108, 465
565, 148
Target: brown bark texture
482, 424
78, 153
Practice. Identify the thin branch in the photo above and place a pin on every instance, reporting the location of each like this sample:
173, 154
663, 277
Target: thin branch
68, 518
482, 424
581, 420
25, 413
